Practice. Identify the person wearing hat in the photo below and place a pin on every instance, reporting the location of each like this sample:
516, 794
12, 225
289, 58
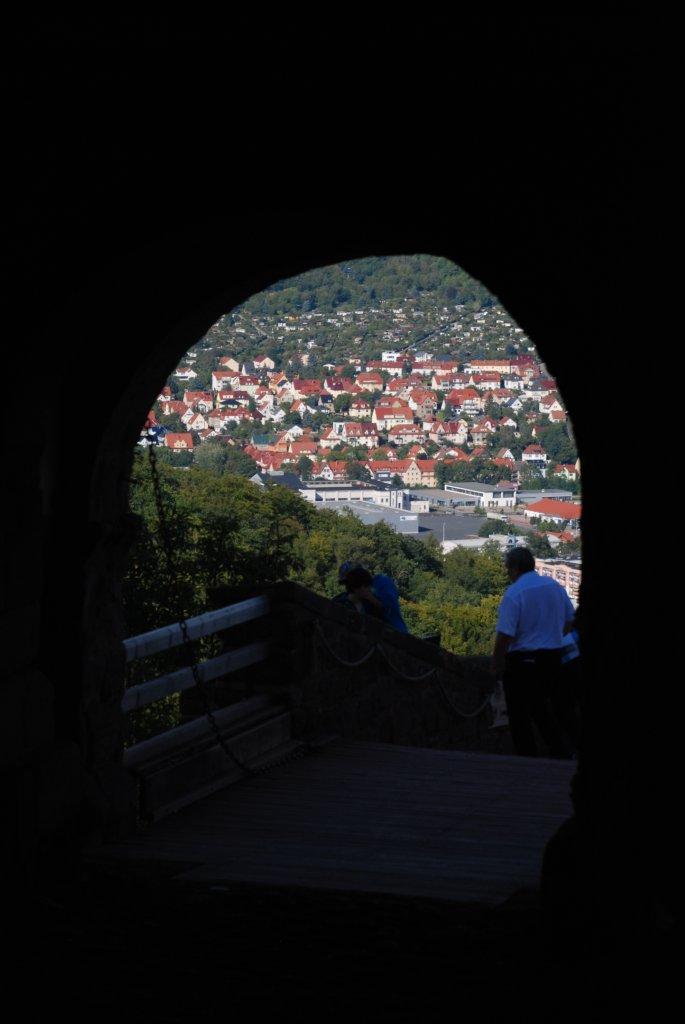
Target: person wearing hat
371, 595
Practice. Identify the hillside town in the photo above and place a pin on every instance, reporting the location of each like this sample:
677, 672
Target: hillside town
412, 433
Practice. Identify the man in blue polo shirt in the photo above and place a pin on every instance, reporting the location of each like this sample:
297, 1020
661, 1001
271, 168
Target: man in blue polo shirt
378, 594
535, 615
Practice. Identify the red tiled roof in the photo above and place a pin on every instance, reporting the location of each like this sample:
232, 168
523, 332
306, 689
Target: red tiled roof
300, 447
196, 396
396, 465
391, 414
360, 428
171, 440
485, 376
558, 509
403, 428
171, 407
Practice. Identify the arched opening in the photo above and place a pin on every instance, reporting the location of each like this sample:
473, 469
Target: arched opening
504, 393
100, 692
466, 384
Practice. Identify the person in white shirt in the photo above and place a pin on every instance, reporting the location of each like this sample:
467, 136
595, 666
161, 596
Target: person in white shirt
535, 615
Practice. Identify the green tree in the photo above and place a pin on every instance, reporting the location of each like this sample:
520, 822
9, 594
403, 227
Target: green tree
464, 629
561, 483
179, 458
555, 440
570, 549
304, 467
342, 403
491, 526
211, 455
358, 471
530, 477
239, 463
539, 545
173, 423
480, 572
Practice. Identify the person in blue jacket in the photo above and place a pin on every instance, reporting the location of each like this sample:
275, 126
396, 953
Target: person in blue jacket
379, 592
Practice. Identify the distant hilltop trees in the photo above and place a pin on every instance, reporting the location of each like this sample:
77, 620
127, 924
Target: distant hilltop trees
362, 307
361, 283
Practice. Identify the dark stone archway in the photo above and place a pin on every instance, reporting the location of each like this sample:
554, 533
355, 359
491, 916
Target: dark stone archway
132, 263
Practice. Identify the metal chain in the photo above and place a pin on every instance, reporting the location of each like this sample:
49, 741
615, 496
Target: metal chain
171, 567
347, 664
412, 679
462, 714
302, 748
403, 675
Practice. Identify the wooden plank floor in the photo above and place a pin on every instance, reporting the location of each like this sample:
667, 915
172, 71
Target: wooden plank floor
371, 817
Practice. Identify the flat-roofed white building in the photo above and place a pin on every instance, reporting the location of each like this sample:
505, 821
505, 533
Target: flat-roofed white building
501, 495
391, 497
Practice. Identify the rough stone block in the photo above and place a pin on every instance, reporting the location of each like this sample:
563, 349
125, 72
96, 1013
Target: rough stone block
20, 627
23, 562
26, 715
43, 812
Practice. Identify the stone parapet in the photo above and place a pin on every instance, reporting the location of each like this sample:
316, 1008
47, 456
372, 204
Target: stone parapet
353, 676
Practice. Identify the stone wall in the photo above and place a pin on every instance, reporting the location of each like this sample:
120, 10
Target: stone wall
352, 676
99, 265
41, 772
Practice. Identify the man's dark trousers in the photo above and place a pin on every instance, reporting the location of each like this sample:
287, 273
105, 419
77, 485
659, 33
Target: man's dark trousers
529, 680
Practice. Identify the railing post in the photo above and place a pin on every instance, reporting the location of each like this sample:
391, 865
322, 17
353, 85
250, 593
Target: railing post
291, 643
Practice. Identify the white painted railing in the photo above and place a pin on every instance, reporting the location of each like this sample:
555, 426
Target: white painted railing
168, 637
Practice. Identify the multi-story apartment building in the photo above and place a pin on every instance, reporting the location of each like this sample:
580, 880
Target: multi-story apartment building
567, 573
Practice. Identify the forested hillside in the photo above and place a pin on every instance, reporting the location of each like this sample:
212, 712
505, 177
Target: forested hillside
360, 284
362, 307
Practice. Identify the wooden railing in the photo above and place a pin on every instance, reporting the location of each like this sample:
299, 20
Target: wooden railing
168, 637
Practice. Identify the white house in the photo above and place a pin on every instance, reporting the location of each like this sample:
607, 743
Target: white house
194, 420
229, 363
534, 453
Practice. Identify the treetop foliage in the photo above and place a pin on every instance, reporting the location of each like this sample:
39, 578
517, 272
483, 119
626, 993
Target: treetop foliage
225, 530
358, 284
